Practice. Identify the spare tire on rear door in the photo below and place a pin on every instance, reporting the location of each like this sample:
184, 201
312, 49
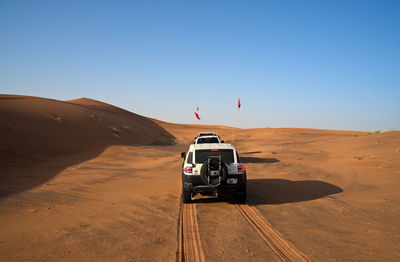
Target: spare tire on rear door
213, 171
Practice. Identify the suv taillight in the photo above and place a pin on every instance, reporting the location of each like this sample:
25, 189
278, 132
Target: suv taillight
188, 170
241, 169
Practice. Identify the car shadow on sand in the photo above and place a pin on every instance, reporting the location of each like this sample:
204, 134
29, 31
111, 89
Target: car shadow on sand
280, 191
250, 159
250, 153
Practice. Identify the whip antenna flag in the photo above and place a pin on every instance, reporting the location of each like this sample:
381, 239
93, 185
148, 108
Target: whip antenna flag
238, 104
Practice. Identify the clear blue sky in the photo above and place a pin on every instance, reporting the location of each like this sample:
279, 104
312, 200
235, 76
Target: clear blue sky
318, 64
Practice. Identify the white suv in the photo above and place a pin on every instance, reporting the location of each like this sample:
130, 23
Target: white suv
209, 169
205, 134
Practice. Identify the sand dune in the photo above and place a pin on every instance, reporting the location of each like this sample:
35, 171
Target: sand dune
74, 189
46, 127
39, 131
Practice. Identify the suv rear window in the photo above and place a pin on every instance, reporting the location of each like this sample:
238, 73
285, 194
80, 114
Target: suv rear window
207, 134
207, 140
201, 155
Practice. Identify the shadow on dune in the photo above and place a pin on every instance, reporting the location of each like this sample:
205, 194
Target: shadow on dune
41, 137
282, 191
279, 191
21, 172
258, 160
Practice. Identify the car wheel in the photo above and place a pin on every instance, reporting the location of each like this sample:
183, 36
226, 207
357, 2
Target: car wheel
186, 196
241, 196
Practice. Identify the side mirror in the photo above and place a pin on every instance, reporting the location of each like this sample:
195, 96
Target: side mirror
183, 155
222, 141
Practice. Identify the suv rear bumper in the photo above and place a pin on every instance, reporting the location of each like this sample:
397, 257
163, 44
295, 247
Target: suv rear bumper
194, 184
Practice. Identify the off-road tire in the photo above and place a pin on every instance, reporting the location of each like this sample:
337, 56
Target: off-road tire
186, 196
241, 196
204, 170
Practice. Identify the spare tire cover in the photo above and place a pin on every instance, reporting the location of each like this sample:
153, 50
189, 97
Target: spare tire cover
204, 172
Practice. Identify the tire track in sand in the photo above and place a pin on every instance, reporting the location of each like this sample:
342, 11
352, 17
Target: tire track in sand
189, 243
283, 248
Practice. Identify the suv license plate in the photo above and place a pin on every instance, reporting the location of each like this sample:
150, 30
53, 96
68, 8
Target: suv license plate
231, 181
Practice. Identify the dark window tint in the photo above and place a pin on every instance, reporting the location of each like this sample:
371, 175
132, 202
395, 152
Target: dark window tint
207, 140
226, 155
190, 158
207, 134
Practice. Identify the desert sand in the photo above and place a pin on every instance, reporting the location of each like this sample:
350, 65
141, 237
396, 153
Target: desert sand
82, 180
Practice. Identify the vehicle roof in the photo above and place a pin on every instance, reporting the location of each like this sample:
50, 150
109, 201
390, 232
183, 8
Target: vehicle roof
210, 136
211, 146
200, 133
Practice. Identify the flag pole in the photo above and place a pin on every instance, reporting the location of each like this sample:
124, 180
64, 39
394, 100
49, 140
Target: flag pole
196, 114
235, 122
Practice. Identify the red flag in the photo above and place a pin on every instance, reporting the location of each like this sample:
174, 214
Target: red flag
238, 104
197, 116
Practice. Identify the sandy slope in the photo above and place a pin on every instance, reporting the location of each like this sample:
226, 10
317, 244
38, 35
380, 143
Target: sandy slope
46, 127
39, 131
333, 194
